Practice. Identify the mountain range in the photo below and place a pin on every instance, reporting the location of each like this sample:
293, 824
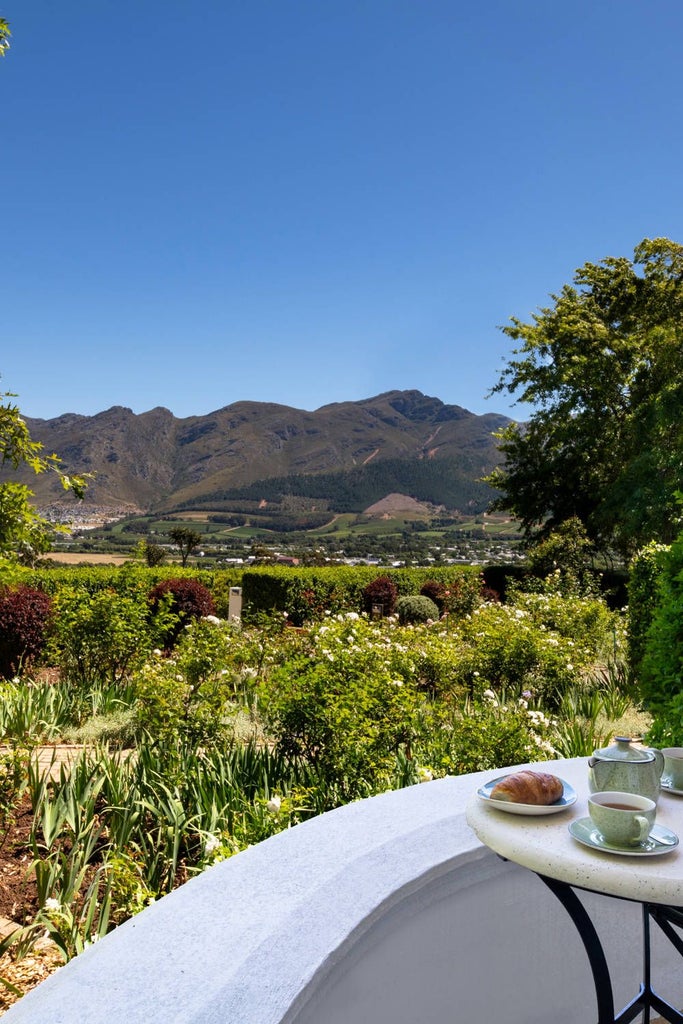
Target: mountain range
343, 456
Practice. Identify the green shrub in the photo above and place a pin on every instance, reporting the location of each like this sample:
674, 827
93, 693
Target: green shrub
585, 620
340, 708
566, 553
661, 667
437, 662
129, 578
667, 725
484, 734
416, 608
645, 572
25, 616
99, 637
187, 693
116, 729
507, 650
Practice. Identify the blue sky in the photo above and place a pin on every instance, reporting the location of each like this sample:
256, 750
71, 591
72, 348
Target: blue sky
311, 201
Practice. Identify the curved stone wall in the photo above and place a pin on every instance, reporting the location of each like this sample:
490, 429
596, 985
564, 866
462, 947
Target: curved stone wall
387, 910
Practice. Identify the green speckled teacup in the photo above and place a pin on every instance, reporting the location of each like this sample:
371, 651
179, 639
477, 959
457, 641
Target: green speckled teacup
624, 819
673, 766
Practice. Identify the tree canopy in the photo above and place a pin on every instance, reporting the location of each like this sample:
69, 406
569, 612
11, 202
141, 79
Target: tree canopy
23, 531
4, 36
186, 540
603, 369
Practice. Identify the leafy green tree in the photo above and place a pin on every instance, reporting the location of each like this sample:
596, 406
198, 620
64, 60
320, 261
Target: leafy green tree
24, 533
186, 540
4, 36
603, 369
150, 554
566, 555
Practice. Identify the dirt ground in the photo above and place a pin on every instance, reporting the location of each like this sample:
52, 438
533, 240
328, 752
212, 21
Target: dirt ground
18, 904
85, 558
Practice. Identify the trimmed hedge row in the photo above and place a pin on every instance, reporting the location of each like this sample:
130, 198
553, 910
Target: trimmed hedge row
306, 593
131, 579
120, 578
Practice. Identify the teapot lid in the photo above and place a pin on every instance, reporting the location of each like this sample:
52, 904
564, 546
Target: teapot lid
625, 749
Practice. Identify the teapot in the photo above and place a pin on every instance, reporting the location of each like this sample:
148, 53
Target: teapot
626, 766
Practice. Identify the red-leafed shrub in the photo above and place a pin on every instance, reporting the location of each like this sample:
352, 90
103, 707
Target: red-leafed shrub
382, 591
436, 592
189, 599
24, 622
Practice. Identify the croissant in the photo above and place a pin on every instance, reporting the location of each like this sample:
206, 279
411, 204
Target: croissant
528, 787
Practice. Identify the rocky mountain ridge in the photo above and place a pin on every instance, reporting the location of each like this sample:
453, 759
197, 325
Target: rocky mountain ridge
154, 460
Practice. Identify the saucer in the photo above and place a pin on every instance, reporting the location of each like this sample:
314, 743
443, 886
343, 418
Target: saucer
668, 788
661, 840
566, 800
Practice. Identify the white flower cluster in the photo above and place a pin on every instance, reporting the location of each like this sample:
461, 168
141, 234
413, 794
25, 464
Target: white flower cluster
213, 619
211, 844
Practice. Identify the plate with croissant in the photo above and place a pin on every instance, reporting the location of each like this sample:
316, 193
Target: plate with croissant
528, 792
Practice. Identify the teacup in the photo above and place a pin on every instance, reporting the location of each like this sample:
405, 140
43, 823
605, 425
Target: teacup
624, 819
673, 766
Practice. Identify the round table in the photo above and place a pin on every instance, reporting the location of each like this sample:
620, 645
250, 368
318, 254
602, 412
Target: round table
543, 844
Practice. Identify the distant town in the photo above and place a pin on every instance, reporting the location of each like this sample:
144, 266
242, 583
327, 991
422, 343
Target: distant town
347, 539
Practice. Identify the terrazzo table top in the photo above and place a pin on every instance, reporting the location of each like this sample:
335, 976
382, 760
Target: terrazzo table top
544, 844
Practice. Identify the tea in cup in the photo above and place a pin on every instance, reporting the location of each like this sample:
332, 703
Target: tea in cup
673, 766
624, 819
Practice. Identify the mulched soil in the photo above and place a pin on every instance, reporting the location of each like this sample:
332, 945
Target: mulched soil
18, 904
23, 975
18, 895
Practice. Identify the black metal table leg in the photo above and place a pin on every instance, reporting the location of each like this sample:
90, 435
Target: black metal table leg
664, 917
596, 956
647, 999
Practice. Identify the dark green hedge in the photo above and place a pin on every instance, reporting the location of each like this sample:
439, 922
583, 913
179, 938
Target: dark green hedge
304, 593
131, 579
612, 583
307, 593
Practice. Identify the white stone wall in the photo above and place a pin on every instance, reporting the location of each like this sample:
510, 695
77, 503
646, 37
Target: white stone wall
387, 910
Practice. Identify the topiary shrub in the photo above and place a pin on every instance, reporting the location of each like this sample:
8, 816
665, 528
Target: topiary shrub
186, 599
24, 620
436, 592
381, 591
417, 608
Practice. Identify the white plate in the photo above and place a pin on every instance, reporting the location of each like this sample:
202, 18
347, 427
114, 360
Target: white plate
566, 800
668, 788
661, 840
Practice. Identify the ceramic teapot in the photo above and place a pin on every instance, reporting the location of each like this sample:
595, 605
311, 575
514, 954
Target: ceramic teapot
626, 766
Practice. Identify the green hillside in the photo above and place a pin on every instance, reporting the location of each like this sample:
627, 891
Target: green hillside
440, 483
